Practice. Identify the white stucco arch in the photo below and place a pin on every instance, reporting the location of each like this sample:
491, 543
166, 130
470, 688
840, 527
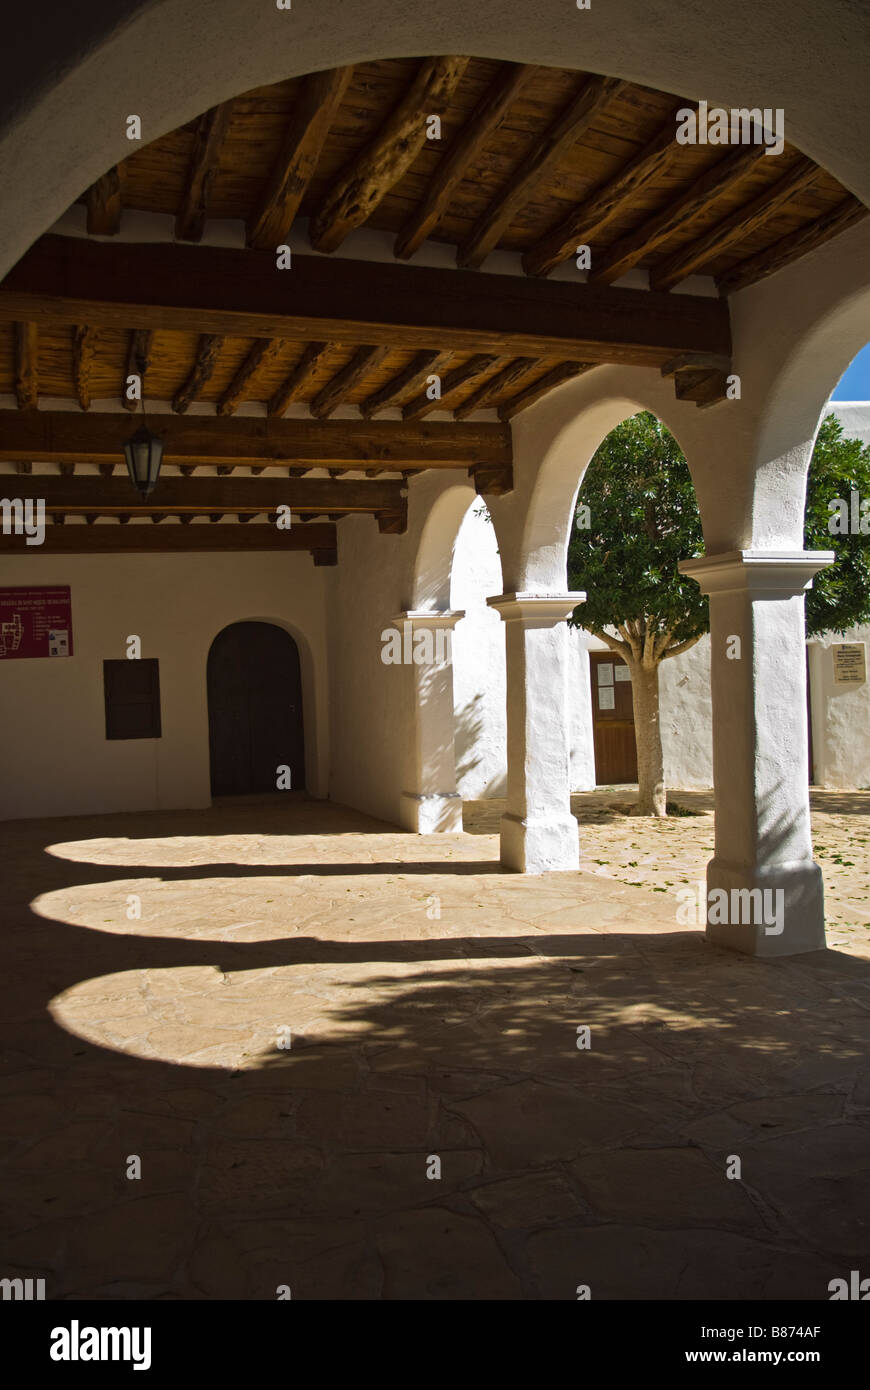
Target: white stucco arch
67, 84
433, 562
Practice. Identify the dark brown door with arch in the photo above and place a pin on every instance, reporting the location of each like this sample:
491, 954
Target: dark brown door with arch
254, 710
612, 719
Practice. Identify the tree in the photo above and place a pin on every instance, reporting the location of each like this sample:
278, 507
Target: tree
637, 517
639, 502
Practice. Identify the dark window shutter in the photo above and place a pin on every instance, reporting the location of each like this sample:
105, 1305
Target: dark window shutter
132, 691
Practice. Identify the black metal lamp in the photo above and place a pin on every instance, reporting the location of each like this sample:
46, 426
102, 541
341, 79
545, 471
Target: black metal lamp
144, 454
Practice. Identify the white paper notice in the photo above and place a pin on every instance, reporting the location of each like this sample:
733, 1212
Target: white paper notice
605, 673
622, 673
606, 697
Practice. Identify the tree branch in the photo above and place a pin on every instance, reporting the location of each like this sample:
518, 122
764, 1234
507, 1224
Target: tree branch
622, 648
682, 646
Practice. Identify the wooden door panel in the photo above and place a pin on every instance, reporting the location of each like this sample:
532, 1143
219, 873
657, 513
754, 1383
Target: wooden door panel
255, 709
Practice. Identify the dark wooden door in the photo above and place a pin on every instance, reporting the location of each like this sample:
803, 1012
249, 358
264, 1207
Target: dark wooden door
254, 710
612, 719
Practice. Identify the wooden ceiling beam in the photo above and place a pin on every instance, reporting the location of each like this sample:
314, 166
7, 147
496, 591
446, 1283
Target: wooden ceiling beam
217, 290
691, 259
319, 98
298, 378
422, 365
717, 182
198, 495
138, 362
260, 357
152, 540
370, 175
27, 366
590, 216
465, 149
55, 436
330, 396
566, 371
205, 160
552, 147
452, 382
789, 248
103, 201
490, 391
208, 351
84, 348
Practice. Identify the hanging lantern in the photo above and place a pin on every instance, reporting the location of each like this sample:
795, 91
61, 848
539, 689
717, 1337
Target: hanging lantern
144, 453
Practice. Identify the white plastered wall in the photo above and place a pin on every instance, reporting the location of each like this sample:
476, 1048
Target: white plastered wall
840, 716
54, 754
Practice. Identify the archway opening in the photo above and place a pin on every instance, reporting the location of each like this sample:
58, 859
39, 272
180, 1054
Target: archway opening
255, 715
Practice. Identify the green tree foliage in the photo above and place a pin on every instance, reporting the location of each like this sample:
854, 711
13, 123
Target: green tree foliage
840, 596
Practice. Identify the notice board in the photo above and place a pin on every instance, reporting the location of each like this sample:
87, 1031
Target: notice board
35, 622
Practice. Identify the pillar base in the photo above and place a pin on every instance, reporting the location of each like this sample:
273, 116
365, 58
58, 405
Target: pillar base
430, 813
802, 909
539, 846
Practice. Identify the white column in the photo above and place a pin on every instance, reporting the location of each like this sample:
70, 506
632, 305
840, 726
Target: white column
758, 679
538, 832
432, 802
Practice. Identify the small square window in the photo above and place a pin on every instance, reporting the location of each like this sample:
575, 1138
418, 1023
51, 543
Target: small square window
132, 691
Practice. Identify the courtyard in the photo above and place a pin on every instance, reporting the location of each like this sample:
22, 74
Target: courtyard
312, 1006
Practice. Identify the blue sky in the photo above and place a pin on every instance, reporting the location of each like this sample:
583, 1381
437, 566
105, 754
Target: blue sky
854, 384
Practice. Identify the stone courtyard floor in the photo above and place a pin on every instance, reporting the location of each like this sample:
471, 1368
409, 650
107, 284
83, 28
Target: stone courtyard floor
431, 1003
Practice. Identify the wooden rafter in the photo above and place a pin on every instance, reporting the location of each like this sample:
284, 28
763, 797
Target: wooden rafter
138, 361
566, 371
491, 390
103, 200
299, 378
203, 496
789, 248
569, 127
364, 360
84, 348
422, 365
216, 290
452, 382
59, 436
486, 117
716, 182
113, 539
27, 365
371, 174
594, 213
207, 353
210, 133
740, 224
319, 98
261, 356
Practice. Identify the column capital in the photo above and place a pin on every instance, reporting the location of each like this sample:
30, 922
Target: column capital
536, 610
757, 573
427, 617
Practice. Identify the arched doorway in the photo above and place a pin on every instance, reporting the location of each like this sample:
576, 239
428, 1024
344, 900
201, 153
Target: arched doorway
254, 709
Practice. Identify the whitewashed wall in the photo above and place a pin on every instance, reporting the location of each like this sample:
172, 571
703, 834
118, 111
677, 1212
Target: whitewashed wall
840, 715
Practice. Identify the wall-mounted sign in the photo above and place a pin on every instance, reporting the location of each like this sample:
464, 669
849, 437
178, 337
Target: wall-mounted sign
35, 622
606, 697
850, 663
605, 673
622, 673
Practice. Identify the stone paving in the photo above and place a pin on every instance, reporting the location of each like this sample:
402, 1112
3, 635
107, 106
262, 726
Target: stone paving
431, 1002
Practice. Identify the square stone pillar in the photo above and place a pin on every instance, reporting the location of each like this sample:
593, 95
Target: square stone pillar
432, 802
760, 757
538, 832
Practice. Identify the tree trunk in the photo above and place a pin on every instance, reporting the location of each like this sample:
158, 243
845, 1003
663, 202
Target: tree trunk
652, 796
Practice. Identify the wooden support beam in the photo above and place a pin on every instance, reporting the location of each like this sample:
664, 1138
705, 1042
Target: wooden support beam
422, 365
452, 382
202, 496
84, 347
393, 523
590, 216
23, 467
370, 175
565, 372
741, 223
218, 290
56, 436
261, 356
207, 354
174, 540
465, 149
635, 246
318, 100
556, 142
364, 360
298, 379
103, 200
790, 248
204, 163
138, 362
490, 391
496, 482
703, 387
27, 365
696, 361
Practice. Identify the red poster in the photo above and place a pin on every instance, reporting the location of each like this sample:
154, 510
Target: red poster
35, 622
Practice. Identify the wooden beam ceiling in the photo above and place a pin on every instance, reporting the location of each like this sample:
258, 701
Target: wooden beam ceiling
69, 436
535, 390
216, 290
138, 360
206, 496
207, 354
364, 360
210, 134
451, 383
260, 357
846, 214
84, 345
27, 365
104, 204
319, 537
421, 366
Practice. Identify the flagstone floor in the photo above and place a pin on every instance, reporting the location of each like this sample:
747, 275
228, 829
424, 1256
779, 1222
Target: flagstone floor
432, 1131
